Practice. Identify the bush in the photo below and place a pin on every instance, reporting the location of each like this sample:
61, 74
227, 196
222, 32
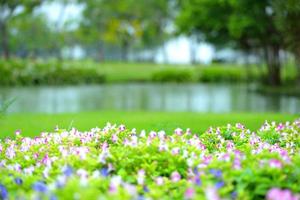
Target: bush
173, 75
25, 72
222, 74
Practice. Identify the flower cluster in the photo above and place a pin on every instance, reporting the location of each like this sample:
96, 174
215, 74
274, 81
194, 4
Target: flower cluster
114, 162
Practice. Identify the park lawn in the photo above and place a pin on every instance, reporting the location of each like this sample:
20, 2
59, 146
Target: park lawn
33, 124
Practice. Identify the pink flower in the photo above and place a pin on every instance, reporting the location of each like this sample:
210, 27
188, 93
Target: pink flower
141, 177
114, 138
162, 147
278, 194
152, 134
229, 145
159, 180
237, 163
211, 193
175, 176
189, 193
175, 151
275, 163
122, 127
46, 160
178, 131
18, 132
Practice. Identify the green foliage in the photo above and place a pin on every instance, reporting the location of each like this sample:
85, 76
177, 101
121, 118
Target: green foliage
173, 75
20, 72
227, 74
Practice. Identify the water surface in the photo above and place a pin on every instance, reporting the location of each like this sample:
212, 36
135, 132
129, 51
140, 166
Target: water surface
215, 98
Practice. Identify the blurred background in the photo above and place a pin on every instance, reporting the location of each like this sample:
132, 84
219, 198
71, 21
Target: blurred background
192, 56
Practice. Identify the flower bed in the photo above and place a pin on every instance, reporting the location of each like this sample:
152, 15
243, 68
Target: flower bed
228, 162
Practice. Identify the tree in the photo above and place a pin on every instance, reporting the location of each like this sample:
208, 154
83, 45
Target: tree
287, 15
125, 23
30, 35
10, 9
242, 24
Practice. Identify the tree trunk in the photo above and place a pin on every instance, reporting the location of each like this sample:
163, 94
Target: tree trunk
124, 50
193, 50
4, 41
297, 63
273, 64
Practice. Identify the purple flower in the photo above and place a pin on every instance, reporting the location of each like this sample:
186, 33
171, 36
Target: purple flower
217, 173
197, 181
18, 181
3, 192
40, 186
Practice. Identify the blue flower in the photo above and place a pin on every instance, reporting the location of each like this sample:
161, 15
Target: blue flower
68, 170
220, 184
104, 172
234, 195
195, 170
40, 186
53, 197
3, 192
140, 197
217, 173
18, 181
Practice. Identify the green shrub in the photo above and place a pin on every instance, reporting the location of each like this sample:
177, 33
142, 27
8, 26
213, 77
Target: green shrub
25, 72
222, 74
173, 75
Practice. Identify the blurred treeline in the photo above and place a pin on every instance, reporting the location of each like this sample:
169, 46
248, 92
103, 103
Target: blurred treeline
115, 29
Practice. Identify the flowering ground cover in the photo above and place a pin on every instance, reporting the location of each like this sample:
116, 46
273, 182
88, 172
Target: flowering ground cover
113, 162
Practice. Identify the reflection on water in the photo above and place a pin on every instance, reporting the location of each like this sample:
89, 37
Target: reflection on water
152, 97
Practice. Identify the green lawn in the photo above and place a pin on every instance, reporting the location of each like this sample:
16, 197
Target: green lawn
33, 124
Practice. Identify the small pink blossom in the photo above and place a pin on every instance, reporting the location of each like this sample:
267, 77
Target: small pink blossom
159, 180
122, 127
114, 138
175, 151
278, 194
211, 193
18, 132
141, 177
178, 131
175, 176
189, 193
275, 163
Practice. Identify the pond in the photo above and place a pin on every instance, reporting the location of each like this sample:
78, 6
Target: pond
215, 98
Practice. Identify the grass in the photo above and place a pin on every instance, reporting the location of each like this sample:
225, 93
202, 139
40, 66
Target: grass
33, 124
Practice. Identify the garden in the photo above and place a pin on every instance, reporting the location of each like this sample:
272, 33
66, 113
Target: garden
114, 162
150, 100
